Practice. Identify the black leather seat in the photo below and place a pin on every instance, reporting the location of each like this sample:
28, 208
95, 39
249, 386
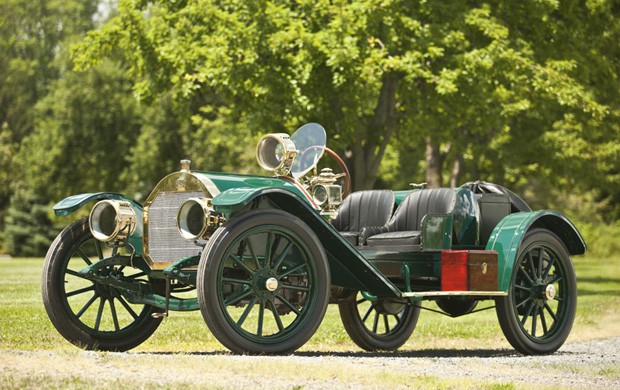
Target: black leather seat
362, 209
405, 226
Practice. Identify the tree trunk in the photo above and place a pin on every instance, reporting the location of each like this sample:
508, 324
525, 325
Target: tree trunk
457, 170
375, 134
434, 161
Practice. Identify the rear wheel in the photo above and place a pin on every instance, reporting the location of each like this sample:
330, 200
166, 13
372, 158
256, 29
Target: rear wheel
88, 314
537, 315
382, 324
263, 283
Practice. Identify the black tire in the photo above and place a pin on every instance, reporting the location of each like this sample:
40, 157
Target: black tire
456, 307
399, 319
235, 283
538, 313
71, 301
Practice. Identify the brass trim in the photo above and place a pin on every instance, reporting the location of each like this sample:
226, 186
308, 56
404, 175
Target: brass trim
192, 182
423, 294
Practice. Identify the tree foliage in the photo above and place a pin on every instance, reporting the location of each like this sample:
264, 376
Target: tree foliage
459, 83
523, 93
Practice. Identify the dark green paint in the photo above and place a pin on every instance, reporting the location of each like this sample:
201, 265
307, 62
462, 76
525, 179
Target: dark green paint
507, 236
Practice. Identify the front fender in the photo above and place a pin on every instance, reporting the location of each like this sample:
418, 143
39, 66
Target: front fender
73, 203
348, 267
507, 236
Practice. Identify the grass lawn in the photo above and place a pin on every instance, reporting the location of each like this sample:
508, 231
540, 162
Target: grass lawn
24, 325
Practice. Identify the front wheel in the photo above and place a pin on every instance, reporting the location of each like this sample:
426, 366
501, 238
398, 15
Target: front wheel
382, 324
263, 283
537, 315
88, 314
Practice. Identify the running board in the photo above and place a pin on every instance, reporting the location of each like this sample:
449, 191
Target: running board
424, 294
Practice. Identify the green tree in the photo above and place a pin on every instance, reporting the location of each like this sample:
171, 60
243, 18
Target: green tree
33, 35
29, 230
461, 79
83, 135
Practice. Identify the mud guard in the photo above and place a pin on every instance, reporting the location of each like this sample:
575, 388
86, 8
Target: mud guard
73, 203
348, 267
507, 236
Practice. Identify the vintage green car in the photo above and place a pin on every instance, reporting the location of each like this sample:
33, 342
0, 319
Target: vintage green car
262, 257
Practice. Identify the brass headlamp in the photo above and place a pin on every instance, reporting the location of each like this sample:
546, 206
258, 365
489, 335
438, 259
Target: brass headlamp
112, 220
276, 152
196, 219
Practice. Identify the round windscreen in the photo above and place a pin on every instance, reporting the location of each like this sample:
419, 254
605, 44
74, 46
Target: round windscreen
310, 141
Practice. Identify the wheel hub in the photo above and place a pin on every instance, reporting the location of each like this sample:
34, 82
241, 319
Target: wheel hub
271, 284
265, 283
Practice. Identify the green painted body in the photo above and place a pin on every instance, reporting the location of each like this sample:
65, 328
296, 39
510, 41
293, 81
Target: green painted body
352, 267
507, 236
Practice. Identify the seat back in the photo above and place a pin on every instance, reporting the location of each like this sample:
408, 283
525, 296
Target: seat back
364, 208
493, 208
409, 214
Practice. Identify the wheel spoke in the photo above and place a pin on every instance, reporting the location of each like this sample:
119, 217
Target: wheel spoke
270, 239
527, 313
83, 256
293, 270
541, 257
296, 288
247, 311
548, 269
236, 281
386, 323
99, 314
550, 311
288, 304
523, 302
520, 287
375, 323
397, 318
556, 279
74, 273
241, 295
261, 315
240, 263
527, 277
81, 291
280, 258
543, 322
251, 248
534, 320
114, 316
361, 301
530, 261
128, 308
367, 313
276, 315
87, 305
274, 249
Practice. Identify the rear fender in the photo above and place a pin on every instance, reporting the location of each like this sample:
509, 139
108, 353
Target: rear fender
73, 203
507, 236
348, 267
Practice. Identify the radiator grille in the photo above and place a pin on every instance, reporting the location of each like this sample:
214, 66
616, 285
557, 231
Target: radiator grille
165, 244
